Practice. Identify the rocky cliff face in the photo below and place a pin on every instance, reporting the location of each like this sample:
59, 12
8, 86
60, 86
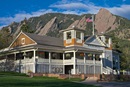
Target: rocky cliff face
105, 21
81, 23
49, 26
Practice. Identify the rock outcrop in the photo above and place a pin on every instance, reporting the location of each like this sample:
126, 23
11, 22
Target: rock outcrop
81, 24
105, 21
47, 27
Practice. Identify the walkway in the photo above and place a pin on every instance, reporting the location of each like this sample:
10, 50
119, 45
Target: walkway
107, 84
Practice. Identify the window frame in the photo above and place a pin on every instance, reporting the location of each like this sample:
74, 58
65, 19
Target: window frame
78, 35
68, 35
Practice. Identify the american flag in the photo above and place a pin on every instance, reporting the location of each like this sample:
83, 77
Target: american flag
89, 19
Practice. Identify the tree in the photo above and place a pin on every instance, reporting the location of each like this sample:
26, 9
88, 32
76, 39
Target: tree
25, 28
5, 38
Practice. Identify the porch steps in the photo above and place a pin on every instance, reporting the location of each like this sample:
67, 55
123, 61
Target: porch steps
91, 79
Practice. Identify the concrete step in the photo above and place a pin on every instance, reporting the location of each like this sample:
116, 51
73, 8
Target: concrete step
91, 79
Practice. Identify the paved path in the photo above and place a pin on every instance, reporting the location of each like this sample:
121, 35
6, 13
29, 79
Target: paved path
108, 84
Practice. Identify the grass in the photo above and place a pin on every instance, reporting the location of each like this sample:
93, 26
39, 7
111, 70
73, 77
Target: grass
8, 80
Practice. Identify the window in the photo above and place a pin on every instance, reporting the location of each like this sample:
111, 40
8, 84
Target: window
97, 57
68, 35
42, 54
89, 56
80, 55
23, 41
68, 55
29, 54
19, 56
56, 55
78, 35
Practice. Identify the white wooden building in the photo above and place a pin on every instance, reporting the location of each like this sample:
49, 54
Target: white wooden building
74, 53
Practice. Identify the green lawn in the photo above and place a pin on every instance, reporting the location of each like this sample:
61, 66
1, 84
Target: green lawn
10, 80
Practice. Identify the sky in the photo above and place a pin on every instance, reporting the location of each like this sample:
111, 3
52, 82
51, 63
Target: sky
17, 10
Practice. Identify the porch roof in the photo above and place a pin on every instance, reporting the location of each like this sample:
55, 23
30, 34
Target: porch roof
52, 49
82, 49
36, 46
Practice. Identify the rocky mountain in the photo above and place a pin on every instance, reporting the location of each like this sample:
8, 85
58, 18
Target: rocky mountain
51, 23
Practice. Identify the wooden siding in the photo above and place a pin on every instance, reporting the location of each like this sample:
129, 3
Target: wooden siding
73, 42
18, 41
109, 48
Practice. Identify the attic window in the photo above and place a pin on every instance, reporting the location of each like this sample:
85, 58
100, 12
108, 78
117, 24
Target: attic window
23, 41
68, 35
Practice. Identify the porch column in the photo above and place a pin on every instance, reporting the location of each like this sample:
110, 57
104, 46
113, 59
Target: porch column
101, 64
84, 64
63, 63
118, 65
49, 62
24, 54
94, 64
74, 65
35, 61
14, 56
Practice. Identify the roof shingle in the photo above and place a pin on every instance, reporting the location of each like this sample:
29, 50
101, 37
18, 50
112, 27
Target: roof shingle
45, 40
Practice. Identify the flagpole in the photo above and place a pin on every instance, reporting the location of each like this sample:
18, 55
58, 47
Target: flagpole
93, 24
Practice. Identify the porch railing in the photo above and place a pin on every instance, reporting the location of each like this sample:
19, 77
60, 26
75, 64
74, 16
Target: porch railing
68, 61
41, 60
56, 61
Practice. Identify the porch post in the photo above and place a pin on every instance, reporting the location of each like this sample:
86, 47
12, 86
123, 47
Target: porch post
101, 64
34, 60
24, 54
14, 56
63, 63
49, 62
118, 65
74, 65
94, 64
84, 64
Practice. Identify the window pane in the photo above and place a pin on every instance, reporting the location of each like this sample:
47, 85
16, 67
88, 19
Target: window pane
40, 54
68, 35
89, 56
97, 57
80, 55
78, 35
68, 55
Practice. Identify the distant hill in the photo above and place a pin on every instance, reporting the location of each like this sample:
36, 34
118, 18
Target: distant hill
51, 23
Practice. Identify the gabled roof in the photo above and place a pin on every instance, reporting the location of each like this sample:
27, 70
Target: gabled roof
15, 40
45, 40
94, 40
41, 40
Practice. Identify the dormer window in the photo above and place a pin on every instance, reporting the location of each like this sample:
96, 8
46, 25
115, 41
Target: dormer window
78, 35
23, 41
68, 35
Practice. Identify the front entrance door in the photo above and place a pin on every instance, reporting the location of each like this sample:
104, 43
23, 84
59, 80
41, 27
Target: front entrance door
68, 68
